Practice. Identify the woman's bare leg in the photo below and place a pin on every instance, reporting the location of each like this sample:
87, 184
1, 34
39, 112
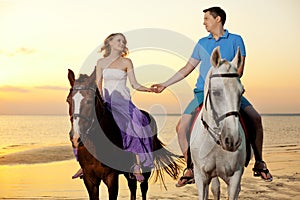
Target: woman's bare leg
137, 170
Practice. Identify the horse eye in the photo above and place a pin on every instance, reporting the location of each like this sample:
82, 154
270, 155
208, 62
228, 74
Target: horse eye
89, 101
216, 93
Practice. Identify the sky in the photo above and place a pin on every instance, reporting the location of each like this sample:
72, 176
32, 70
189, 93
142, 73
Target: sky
41, 39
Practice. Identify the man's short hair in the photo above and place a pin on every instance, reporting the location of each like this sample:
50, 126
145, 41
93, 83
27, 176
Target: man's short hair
215, 12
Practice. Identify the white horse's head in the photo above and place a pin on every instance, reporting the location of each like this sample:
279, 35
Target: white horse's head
223, 91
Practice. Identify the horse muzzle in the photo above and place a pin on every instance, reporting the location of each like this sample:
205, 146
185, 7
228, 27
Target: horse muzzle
230, 139
76, 133
228, 143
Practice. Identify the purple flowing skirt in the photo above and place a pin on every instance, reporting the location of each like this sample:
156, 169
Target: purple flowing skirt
135, 127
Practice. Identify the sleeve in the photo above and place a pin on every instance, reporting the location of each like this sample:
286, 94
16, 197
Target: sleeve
197, 52
240, 43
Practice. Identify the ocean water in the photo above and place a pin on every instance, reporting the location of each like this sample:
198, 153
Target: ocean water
23, 132
20, 132
36, 160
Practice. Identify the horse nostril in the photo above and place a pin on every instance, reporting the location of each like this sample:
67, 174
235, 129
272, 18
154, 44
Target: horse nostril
238, 143
228, 142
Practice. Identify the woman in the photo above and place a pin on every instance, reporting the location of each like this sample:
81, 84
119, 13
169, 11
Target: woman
113, 70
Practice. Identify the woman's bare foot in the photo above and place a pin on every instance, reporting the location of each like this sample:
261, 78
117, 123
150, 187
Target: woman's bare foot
78, 174
138, 173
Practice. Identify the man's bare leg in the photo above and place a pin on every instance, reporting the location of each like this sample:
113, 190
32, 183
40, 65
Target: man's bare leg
181, 129
258, 144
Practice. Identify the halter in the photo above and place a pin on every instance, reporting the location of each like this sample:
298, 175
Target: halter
84, 88
91, 121
214, 132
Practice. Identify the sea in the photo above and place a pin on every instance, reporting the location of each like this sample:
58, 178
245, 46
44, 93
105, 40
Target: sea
25, 132
43, 140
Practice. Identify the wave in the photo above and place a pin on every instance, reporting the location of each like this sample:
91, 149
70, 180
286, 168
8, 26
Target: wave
38, 155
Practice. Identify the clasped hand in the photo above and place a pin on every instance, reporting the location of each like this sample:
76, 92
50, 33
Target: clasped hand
157, 88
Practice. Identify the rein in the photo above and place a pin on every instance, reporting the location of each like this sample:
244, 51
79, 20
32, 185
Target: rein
215, 132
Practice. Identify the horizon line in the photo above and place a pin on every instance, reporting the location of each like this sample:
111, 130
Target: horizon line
154, 114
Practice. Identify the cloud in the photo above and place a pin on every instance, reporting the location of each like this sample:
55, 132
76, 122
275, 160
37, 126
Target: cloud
24, 50
8, 88
18, 51
49, 87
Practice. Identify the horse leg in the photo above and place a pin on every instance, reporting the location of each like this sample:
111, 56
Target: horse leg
215, 188
112, 183
144, 189
132, 186
202, 182
202, 190
92, 186
234, 185
144, 185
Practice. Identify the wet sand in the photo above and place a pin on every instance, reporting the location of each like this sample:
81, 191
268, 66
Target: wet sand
24, 175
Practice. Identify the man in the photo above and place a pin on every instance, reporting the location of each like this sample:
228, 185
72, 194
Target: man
214, 20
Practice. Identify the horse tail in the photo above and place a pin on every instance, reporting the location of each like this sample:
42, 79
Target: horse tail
164, 160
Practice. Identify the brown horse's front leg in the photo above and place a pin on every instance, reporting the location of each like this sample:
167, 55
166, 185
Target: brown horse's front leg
92, 186
112, 182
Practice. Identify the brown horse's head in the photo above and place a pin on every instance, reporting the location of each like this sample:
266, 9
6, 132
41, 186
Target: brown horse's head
81, 100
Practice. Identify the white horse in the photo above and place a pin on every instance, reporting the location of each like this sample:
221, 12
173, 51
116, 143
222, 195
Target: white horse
217, 143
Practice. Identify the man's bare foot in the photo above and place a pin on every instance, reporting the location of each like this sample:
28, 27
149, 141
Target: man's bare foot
187, 178
260, 169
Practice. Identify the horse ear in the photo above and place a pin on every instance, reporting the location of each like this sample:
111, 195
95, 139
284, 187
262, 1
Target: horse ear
215, 58
237, 58
71, 77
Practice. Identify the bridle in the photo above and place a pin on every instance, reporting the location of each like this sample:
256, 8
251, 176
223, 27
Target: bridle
215, 132
90, 120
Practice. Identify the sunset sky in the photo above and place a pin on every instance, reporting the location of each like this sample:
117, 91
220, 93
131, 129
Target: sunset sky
41, 39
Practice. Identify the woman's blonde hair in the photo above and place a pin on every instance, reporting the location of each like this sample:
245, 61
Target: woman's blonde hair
107, 49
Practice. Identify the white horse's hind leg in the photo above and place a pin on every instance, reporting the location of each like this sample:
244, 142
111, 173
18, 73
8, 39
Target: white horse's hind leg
215, 188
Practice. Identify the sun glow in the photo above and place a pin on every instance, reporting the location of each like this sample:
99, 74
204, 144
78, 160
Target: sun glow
39, 43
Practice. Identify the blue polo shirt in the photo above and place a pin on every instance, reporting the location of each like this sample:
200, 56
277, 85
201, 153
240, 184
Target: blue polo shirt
228, 43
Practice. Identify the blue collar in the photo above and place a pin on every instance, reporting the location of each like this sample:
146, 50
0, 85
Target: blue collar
226, 34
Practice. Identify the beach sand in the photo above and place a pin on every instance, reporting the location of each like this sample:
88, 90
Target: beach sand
22, 177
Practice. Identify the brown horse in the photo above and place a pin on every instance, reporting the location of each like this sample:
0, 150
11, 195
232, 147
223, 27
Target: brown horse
99, 143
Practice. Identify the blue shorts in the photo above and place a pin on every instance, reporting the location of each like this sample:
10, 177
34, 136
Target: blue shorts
198, 100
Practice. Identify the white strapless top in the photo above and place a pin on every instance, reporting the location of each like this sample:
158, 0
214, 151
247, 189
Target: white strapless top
115, 80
